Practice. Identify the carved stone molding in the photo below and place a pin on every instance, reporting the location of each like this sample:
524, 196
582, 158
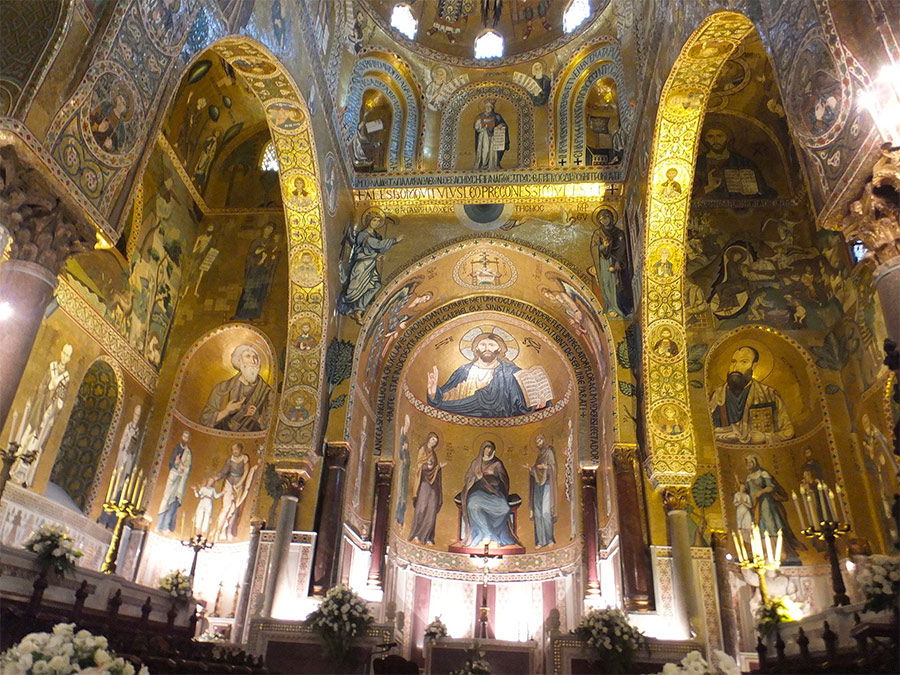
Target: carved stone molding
874, 218
675, 498
42, 229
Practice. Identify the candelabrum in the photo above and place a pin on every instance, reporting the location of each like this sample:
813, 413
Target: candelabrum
197, 543
822, 517
759, 553
124, 499
9, 457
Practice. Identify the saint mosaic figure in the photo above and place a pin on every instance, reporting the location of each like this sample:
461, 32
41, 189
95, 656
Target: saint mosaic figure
429, 496
403, 459
259, 269
721, 172
362, 279
487, 386
542, 492
767, 499
487, 516
206, 496
744, 410
242, 402
236, 476
491, 138
613, 263
41, 414
128, 444
176, 485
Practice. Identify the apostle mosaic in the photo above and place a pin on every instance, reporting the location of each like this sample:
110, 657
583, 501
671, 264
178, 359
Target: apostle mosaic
259, 271
176, 484
360, 276
542, 492
744, 410
236, 475
764, 498
243, 401
491, 137
429, 496
490, 384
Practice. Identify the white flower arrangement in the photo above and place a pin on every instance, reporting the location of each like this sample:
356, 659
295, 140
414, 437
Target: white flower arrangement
62, 652
695, 664
178, 585
342, 618
475, 663
54, 547
879, 580
435, 630
612, 636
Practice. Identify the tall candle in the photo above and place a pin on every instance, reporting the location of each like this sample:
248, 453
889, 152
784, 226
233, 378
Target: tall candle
811, 508
140, 499
769, 551
778, 542
797, 506
12, 428
737, 547
21, 433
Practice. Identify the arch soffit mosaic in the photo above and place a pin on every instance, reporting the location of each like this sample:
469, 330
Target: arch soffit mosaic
672, 461
450, 127
376, 70
288, 119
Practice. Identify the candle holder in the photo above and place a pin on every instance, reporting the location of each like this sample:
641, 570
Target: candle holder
760, 553
9, 456
124, 500
822, 517
197, 543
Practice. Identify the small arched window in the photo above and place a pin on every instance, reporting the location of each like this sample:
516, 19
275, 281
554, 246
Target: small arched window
489, 45
269, 159
402, 19
576, 14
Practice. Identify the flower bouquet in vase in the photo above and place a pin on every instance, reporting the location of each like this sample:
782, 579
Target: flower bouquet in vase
341, 620
612, 637
178, 585
435, 630
879, 581
54, 547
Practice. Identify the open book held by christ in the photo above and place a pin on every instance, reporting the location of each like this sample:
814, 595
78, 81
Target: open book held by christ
535, 386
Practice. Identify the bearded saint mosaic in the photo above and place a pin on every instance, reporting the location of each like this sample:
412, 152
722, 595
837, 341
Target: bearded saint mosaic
243, 401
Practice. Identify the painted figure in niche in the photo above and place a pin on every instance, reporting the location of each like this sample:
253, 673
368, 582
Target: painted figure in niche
242, 402
176, 484
206, 496
362, 281
724, 173
541, 94
365, 145
743, 511
491, 138
732, 291
883, 470
744, 410
451, 18
604, 138
429, 496
259, 270
356, 34
485, 501
394, 316
195, 120
109, 119
542, 492
236, 476
306, 341
205, 160
434, 88
768, 498
128, 444
663, 267
671, 424
613, 262
490, 385
204, 255
41, 414
403, 459
582, 317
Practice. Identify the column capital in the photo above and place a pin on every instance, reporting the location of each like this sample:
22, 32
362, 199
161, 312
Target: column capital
257, 524
43, 230
874, 218
589, 476
384, 471
293, 480
675, 498
335, 453
624, 457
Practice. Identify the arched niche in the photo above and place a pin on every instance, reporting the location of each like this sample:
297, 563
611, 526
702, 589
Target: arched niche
590, 99
458, 141
88, 436
376, 143
220, 413
387, 74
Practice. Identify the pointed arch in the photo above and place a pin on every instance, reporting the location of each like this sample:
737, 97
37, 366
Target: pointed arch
672, 460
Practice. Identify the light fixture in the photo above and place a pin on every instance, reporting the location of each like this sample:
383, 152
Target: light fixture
882, 101
6, 310
489, 45
402, 20
576, 13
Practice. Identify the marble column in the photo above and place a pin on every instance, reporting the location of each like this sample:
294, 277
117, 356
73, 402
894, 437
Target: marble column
43, 234
329, 519
240, 612
384, 471
727, 612
589, 529
684, 602
636, 566
292, 482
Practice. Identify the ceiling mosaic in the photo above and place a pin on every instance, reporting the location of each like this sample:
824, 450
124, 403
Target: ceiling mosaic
446, 30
